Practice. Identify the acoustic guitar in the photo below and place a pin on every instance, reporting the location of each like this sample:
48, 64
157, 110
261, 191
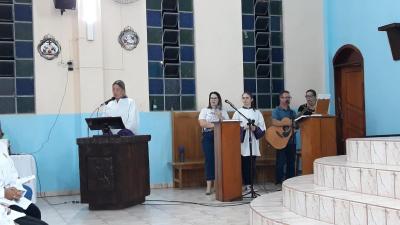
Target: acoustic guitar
279, 137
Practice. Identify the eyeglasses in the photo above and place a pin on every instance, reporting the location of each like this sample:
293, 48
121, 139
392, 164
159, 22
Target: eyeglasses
309, 96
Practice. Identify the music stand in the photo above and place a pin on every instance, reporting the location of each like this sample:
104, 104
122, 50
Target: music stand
322, 105
105, 124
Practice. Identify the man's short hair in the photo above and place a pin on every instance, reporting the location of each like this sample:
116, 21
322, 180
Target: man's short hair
283, 92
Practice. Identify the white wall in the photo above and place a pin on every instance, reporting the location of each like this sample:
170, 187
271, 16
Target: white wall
218, 46
97, 63
51, 76
304, 50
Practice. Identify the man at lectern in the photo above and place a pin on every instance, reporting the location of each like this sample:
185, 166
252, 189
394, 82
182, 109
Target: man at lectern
283, 116
125, 107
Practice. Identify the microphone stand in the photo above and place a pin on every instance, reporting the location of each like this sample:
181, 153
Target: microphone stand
250, 122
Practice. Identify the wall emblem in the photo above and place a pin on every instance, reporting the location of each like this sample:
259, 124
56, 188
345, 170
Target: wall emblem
48, 47
128, 38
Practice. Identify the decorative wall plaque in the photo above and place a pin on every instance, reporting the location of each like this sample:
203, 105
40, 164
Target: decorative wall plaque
48, 47
128, 38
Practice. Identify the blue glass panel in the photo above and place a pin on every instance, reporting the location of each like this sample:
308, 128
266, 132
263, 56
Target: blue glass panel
153, 18
277, 55
186, 20
155, 69
156, 103
264, 101
25, 87
172, 102
7, 105
187, 53
156, 86
247, 22
263, 85
24, 49
275, 23
249, 54
188, 86
277, 85
155, 52
172, 86
23, 12
250, 85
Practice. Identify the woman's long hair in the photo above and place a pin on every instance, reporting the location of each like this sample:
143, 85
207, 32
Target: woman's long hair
219, 106
253, 103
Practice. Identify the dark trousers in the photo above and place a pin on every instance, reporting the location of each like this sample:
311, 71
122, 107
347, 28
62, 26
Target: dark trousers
32, 217
285, 156
246, 169
208, 149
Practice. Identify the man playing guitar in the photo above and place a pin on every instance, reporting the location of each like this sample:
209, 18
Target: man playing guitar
283, 117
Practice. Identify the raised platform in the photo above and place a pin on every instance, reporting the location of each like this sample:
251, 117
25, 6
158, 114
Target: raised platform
359, 189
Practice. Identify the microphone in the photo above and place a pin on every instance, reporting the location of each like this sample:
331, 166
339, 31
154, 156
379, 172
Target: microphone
227, 101
109, 100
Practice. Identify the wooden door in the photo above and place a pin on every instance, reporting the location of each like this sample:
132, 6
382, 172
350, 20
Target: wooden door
350, 109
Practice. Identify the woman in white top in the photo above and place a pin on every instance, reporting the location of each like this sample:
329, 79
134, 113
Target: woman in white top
125, 108
256, 131
213, 113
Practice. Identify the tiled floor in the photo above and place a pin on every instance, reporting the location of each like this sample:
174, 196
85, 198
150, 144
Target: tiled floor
151, 212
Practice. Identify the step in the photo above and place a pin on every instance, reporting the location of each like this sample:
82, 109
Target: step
340, 207
268, 210
384, 151
335, 172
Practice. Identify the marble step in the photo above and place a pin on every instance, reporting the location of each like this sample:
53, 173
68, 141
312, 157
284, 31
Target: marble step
384, 151
335, 172
268, 210
339, 207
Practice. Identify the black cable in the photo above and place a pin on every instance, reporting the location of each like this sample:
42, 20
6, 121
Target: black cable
196, 203
56, 119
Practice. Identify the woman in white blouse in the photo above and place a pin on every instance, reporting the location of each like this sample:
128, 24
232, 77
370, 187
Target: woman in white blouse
125, 108
256, 131
213, 113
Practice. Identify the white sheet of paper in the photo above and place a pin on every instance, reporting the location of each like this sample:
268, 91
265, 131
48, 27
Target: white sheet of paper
15, 215
24, 180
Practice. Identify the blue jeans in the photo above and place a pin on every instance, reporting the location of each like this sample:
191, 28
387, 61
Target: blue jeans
285, 156
208, 149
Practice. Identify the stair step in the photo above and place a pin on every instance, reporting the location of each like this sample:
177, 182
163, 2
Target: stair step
384, 151
268, 210
335, 172
303, 197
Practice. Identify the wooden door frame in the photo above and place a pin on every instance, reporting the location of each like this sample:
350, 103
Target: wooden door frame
346, 56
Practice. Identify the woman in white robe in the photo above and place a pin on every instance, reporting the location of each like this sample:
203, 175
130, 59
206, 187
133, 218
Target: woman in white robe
257, 130
125, 108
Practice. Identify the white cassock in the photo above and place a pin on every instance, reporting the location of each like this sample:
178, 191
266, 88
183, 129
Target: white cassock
127, 110
259, 122
9, 178
5, 219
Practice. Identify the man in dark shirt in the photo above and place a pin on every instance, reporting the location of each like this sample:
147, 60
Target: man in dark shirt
288, 154
309, 107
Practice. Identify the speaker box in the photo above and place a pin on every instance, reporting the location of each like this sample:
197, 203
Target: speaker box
393, 32
64, 4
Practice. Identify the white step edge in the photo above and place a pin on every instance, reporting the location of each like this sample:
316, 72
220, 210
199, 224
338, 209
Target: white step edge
302, 197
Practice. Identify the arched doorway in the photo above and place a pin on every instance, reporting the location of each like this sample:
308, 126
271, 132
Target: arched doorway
349, 95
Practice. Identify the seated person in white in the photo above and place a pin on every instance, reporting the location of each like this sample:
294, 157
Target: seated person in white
125, 108
23, 211
4, 218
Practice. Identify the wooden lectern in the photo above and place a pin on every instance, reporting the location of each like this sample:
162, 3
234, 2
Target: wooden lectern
114, 171
318, 139
228, 169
